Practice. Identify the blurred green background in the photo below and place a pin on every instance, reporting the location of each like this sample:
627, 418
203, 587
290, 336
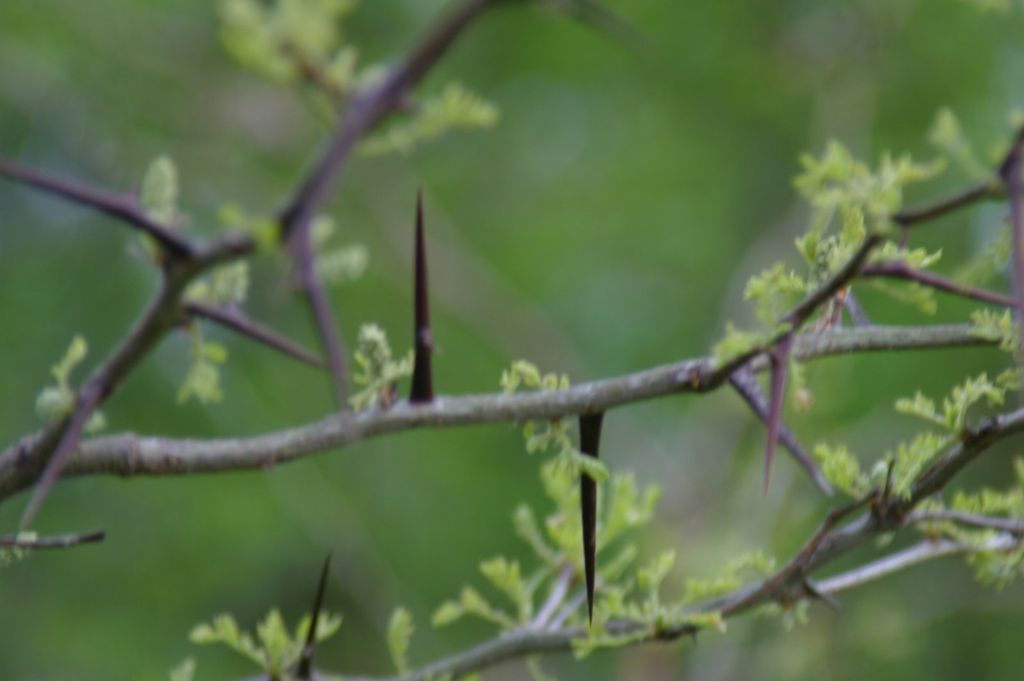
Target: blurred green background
607, 224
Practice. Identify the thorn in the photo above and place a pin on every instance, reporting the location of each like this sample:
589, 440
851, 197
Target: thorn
422, 381
826, 598
779, 360
304, 671
590, 439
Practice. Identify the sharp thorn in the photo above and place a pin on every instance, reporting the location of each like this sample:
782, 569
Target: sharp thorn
422, 380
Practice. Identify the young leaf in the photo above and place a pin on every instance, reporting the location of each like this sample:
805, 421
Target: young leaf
400, 631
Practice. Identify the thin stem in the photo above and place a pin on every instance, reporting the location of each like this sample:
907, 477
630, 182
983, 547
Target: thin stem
63, 541
122, 207
968, 197
901, 270
236, 321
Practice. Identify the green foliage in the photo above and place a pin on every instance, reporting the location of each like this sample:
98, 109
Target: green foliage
552, 434
947, 135
989, 261
336, 265
838, 184
995, 326
158, 195
227, 285
202, 380
921, 298
185, 671
378, 369
774, 291
557, 546
301, 41
14, 554
400, 631
273, 649
54, 402
737, 343
733, 577
454, 108
842, 470
288, 39
263, 230
953, 416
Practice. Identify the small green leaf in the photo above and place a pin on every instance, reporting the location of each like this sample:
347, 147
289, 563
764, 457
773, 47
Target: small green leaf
400, 631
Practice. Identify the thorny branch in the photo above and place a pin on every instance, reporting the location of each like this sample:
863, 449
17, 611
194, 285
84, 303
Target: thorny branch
58, 449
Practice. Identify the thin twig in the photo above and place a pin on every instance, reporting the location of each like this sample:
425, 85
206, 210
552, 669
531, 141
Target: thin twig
1014, 526
124, 207
238, 322
901, 270
57, 542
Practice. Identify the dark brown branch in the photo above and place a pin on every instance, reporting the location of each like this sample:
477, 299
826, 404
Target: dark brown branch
238, 322
58, 542
422, 389
745, 384
123, 207
901, 270
941, 208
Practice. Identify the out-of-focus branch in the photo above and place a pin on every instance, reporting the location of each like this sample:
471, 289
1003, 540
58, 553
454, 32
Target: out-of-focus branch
239, 323
14, 541
900, 270
124, 207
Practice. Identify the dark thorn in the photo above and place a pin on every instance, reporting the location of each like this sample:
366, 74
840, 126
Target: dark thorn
826, 598
590, 440
422, 381
779, 360
745, 384
304, 671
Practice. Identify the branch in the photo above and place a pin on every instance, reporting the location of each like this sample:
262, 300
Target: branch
238, 322
63, 541
968, 197
789, 583
901, 270
129, 454
124, 207
366, 110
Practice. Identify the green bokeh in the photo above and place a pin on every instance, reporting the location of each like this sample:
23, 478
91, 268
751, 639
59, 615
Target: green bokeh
606, 225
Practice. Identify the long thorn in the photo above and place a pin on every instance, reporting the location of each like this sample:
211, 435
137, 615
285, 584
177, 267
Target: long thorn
745, 384
304, 671
590, 440
422, 380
